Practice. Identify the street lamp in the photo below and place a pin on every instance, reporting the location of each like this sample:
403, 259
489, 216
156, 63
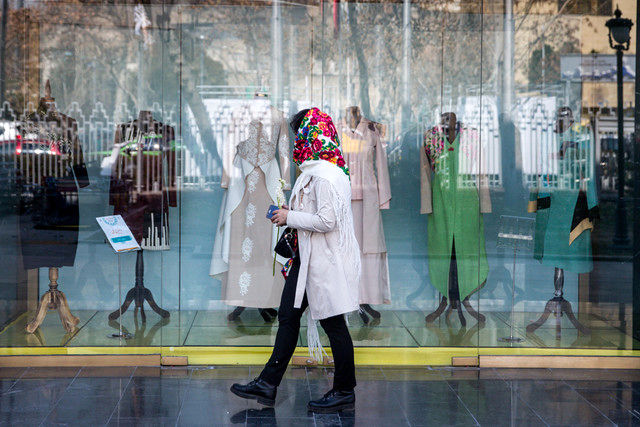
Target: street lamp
619, 40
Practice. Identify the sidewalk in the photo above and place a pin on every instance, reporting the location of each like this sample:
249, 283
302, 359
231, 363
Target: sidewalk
385, 397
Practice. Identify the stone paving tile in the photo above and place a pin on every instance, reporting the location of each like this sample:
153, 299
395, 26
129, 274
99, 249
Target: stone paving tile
610, 406
494, 402
558, 404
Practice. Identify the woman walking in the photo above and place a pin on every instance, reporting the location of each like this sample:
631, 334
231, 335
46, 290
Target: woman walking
324, 273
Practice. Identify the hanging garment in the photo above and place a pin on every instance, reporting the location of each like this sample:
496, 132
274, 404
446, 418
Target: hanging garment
50, 169
565, 203
243, 256
454, 193
366, 156
143, 179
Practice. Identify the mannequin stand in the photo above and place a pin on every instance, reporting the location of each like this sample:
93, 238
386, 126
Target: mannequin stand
366, 308
558, 306
455, 304
139, 294
268, 314
454, 293
53, 299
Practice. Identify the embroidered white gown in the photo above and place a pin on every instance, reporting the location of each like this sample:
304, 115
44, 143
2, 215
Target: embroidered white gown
243, 250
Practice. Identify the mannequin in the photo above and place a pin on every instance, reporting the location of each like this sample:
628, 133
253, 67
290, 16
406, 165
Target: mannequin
49, 218
569, 204
251, 180
364, 151
451, 128
142, 194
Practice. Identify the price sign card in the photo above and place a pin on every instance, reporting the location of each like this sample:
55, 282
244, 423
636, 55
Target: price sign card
118, 233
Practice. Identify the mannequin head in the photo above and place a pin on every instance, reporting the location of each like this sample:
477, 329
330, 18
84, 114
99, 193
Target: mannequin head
564, 119
145, 116
449, 123
448, 120
353, 116
47, 102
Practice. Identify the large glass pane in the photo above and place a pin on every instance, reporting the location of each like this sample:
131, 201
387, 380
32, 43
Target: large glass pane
246, 70
491, 197
562, 272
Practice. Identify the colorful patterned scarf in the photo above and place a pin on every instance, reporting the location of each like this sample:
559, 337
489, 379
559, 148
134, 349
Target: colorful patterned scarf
436, 142
317, 139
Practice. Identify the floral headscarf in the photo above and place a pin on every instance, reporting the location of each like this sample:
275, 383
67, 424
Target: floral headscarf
317, 139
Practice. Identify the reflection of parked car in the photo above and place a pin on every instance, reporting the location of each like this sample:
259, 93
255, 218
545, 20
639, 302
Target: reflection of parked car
25, 146
20, 146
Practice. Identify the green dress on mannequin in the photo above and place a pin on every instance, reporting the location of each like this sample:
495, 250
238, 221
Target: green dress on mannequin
455, 213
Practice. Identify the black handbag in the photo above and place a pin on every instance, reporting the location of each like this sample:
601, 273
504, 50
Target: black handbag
287, 246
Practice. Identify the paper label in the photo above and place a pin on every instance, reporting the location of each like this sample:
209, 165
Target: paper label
118, 233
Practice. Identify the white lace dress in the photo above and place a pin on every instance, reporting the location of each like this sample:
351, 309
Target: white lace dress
243, 251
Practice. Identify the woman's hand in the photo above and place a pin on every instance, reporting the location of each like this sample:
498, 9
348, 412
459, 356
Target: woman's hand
279, 217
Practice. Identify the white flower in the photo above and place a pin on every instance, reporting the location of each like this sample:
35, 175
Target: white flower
280, 199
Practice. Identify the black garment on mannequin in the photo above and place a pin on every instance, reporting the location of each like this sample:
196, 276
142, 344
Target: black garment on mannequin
50, 217
454, 290
289, 330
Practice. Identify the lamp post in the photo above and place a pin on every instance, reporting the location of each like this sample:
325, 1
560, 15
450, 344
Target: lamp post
619, 29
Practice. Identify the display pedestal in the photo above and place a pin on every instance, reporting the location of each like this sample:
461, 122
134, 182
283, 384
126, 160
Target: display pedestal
53, 299
558, 306
518, 233
457, 304
139, 294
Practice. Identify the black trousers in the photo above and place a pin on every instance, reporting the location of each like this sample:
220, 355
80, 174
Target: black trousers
289, 330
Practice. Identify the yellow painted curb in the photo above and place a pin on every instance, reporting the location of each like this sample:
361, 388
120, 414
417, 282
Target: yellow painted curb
364, 356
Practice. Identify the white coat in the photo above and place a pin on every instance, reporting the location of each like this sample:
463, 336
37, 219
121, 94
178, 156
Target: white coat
329, 254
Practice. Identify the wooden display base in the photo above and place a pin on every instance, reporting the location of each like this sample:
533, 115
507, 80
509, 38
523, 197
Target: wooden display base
53, 299
139, 294
457, 305
560, 362
558, 306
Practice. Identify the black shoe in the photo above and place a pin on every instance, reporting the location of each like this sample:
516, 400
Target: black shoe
334, 401
257, 389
